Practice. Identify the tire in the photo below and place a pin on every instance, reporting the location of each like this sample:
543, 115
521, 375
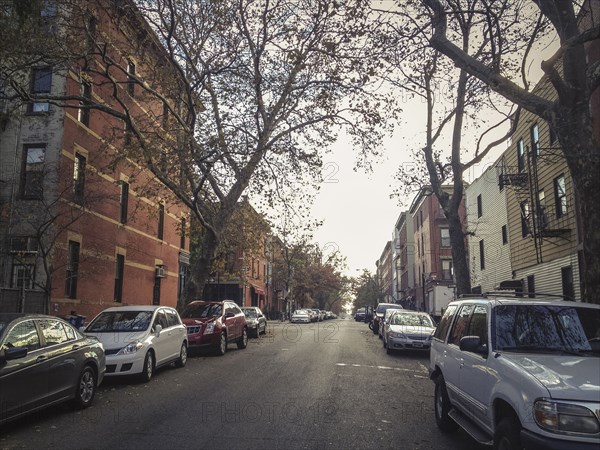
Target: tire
86, 388
508, 434
182, 360
441, 406
388, 350
384, 343
265, 329
221, 349
242, 342
148, 369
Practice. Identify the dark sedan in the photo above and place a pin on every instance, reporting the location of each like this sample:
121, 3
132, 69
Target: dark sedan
43, 361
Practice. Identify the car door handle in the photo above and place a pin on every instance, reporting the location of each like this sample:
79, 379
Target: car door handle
41, 358
76, 347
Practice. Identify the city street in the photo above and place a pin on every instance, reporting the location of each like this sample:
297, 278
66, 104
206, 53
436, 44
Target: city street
330, 385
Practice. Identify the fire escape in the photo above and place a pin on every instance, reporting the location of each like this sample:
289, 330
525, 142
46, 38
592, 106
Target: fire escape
538, 220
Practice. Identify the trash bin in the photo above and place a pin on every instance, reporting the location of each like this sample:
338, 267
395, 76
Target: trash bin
76, 320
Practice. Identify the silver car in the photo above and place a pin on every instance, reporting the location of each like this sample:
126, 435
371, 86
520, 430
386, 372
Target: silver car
256, 320
408, 330
301, 316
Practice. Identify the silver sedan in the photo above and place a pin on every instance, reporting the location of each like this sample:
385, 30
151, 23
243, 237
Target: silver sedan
408, 330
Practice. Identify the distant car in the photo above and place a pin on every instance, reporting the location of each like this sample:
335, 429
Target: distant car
43, 361
256, 320
215, 325
140, 338
359, 316
301, 316
412, 330
379, 312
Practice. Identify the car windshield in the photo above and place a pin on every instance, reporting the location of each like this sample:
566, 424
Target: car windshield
251, 313
121, 321
384, 308
301, 312
202, 310
547, 328
413, 320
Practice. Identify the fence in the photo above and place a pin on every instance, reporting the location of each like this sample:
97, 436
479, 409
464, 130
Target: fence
33, 301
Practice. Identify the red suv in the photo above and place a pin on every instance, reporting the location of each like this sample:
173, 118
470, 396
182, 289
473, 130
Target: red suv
214, 325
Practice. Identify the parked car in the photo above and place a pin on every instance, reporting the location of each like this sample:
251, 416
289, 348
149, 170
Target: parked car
43, 361
256, 320
301, 316
140, 338
215, 325
519, 372
408, 330
359, 316
385, 321
378, 314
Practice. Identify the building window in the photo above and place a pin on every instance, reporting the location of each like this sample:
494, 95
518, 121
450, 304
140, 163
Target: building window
119, 269
560, 196
568, 287
182, 235
91, 31
72, 270
161, 220
124, 201
447, 269
33, 171
79, 177
131, 78
156, 291
22, 276
481, 255
445, 234
534, 133
83, 114
520, 155
165, 116
41, 83
127, 134
504, 235
540, 214
531, 286
552, 134
525, 212
479, 206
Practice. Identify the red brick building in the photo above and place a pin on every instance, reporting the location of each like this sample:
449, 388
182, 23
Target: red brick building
84, 225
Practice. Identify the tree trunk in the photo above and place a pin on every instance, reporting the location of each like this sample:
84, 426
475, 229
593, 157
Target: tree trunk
459, 253
583, 159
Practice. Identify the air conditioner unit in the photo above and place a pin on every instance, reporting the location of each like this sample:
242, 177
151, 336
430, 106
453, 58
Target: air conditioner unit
23, 244
161, 272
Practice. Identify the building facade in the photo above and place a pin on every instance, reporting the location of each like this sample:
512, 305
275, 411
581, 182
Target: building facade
385, 270
84, 225
488, 237
405, 260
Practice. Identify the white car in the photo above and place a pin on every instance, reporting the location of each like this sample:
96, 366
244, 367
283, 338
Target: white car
138, 339
519, 372
301, 316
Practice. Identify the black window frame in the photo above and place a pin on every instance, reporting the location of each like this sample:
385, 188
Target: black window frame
182, 233
32, 174
481, 255
72, 272
521, 155
131, 78
79, 167
123, 202
83, 114
40, 86
479, 206
504, 235
160, 232
560, 200
534, 135
568, 283
119, 277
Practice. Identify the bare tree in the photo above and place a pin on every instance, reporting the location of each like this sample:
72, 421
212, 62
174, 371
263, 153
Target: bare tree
243, 83
572, 74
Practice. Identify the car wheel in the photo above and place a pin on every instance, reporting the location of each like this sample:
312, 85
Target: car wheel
243, 340
388, 350
148, 370
222, 347
86, 388
508, 434
265, 328
442, 406
384, 343
182, 356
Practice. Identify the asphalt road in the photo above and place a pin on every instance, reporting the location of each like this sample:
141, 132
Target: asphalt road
317, 386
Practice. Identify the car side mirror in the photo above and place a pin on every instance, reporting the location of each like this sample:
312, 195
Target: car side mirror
473, 344
15, 353
157, 329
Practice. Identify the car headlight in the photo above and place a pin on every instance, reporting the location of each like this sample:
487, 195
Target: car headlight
566, 418
133, 347
210, 328
395, 334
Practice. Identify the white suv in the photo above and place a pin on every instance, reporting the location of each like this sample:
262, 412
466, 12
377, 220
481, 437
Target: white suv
519, 372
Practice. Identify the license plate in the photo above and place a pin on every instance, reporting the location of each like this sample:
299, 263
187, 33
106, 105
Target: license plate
417, 344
